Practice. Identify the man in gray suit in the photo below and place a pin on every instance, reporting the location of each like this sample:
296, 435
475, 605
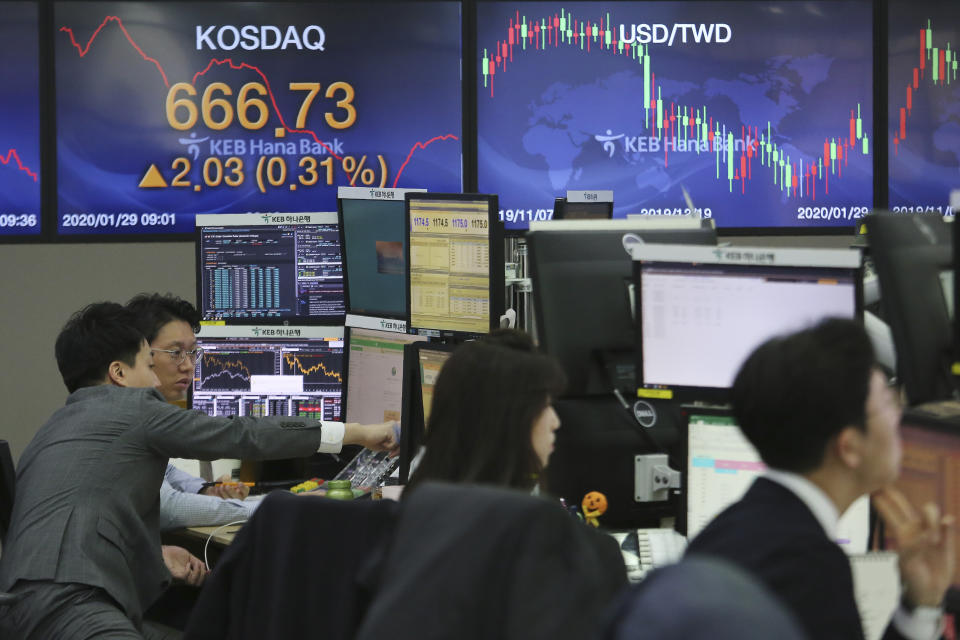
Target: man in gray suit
83, 551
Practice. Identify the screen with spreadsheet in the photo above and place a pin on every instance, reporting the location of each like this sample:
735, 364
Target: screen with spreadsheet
270, 371
721, 466
456, 278
271, 267
375, 374
699, 320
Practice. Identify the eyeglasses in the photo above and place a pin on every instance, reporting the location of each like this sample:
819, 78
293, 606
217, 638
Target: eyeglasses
179, 355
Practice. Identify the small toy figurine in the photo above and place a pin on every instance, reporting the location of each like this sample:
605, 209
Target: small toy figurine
594, 505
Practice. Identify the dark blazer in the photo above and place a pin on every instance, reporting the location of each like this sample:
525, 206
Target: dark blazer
87, 499
771, 533
298, 569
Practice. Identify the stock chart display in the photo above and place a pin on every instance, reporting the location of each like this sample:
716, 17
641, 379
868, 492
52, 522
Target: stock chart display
270, 371
924, 105
761, 111
165, 110
20, 121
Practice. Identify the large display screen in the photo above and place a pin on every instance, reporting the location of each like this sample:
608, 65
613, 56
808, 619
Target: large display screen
165, 110
761, 111
923, 129
19, 121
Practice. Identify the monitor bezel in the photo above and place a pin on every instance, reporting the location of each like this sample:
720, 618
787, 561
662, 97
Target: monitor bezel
495, 274
207, 220
560, 204
841, 259
380, 195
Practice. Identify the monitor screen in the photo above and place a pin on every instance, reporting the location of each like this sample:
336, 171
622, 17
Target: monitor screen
270, 371
422, 364
430, 362
273, 267
923, 122
374, 241
563, 209
20, 125
721, 466
761, 110
165, 109
581, 293
375, 374
702, 312
455, 263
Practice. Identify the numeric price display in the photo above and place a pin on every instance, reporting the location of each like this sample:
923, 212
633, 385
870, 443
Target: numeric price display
271, 112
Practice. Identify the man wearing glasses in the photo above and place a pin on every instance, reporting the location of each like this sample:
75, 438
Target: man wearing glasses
170, 324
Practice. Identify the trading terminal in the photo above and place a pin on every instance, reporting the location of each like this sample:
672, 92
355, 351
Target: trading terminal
342, 234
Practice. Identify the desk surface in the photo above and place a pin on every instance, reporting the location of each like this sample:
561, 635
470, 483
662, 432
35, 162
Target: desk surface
223, 536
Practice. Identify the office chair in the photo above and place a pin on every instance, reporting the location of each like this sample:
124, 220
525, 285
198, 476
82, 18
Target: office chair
472, 563
699, 598
7, 478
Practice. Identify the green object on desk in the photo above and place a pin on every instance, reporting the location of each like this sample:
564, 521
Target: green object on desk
339, 490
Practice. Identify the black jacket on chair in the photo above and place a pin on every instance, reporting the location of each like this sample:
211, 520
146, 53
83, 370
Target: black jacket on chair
477, 562
295, 570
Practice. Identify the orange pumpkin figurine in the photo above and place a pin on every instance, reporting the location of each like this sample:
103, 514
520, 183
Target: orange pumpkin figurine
594, 505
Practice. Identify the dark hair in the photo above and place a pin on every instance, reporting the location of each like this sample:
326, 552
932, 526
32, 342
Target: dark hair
796, 392
485, 401
93, 337
154, 310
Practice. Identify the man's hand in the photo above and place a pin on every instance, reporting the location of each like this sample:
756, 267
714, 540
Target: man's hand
384, 436
925, 545
184, 566
228, 490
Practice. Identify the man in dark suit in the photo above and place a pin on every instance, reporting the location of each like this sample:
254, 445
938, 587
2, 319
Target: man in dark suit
822, 417
83, 551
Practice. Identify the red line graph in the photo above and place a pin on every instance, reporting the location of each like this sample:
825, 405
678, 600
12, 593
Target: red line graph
82, 51
12, 153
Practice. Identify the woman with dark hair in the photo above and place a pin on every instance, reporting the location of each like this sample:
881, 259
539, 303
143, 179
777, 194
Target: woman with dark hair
492, 421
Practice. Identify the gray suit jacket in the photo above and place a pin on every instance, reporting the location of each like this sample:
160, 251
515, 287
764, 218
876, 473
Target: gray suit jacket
87, 491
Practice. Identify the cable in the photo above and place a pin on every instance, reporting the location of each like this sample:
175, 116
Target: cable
206, 544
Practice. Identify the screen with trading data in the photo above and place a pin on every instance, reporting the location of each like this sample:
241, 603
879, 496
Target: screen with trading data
165, 109
20, 124
270, 371
454, 283
272, 267
761, 111
923, 130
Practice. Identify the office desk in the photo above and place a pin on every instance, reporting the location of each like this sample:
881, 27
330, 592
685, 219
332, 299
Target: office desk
223, 536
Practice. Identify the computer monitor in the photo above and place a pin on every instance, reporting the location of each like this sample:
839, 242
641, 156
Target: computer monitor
563, 209
721, 465
269, 371
373, 239
270, 268
702, 311
581, 281
455, 263
422, 362
374, 374
913, 258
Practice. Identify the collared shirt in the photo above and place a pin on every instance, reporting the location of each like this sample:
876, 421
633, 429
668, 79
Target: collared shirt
923, 623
